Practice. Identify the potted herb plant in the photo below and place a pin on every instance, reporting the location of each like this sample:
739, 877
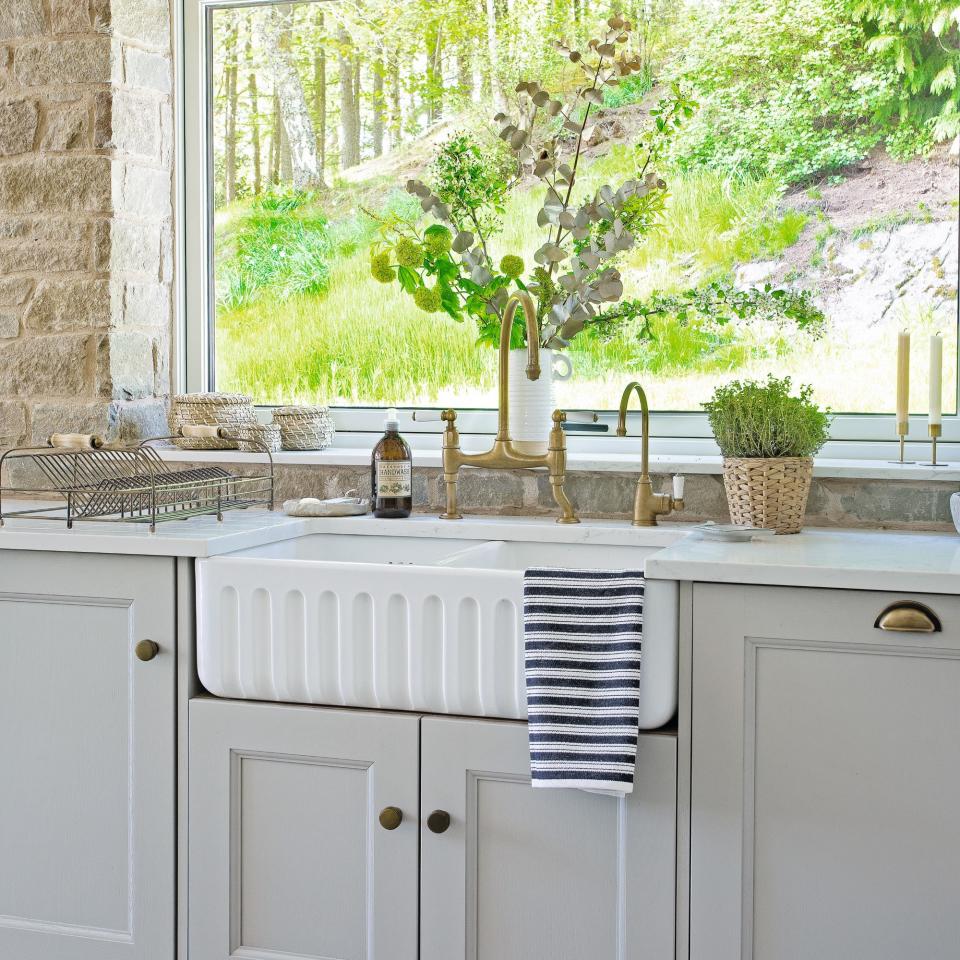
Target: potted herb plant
768, 437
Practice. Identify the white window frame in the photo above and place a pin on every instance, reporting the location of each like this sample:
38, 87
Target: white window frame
853, 436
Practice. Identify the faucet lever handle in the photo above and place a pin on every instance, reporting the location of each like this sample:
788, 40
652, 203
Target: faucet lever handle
679, 481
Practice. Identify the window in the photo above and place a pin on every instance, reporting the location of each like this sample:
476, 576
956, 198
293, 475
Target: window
809, 166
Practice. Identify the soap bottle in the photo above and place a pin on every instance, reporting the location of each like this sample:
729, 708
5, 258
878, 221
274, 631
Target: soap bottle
392, 472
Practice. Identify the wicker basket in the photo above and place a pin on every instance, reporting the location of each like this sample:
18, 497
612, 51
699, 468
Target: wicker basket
254, 438
231, 411
304, 428
768, 492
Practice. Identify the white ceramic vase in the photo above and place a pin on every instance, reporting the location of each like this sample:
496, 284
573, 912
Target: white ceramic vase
532, 402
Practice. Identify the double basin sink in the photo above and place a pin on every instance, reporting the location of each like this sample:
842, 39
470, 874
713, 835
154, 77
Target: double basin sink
401, 623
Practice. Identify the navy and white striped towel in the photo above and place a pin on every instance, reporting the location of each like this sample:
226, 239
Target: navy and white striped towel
583, 632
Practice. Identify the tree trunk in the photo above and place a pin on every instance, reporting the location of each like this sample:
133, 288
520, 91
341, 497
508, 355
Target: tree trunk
465, 70
320, 97
434, 50
286, 160
493, 56
396, 108
349, 126
294, 114
378, 105
231, 70
254, 94
275, 133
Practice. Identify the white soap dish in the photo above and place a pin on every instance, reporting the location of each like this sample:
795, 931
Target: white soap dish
338, 507
729, 532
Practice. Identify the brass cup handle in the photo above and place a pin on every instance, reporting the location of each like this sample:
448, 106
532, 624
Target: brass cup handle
438, 821
146, 650
907, 616
391, 818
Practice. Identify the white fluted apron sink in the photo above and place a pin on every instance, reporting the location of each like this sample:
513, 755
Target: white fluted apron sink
401, 623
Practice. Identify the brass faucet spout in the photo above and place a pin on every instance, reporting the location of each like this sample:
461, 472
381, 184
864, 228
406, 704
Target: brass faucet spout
519, 299
644, 424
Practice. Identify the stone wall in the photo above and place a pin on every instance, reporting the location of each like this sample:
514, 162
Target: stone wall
86, 219
869, 504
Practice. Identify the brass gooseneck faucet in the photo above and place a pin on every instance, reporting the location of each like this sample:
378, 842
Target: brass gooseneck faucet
647, 505
504, 455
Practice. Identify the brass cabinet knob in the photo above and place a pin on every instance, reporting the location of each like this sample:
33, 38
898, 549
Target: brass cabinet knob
391, 818
146, 650
908, 617
439, 821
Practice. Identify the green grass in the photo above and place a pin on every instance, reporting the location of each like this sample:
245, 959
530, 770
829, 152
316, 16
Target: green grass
301, 319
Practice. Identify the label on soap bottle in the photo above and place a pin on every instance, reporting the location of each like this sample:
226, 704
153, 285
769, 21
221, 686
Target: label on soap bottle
394, 478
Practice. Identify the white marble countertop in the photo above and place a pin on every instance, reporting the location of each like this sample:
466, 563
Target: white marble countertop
841, 559
196, 537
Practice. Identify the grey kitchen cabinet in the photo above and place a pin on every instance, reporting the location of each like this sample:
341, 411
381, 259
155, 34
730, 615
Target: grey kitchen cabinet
542, 874
287, 853
288, 857
87, 762
825, 778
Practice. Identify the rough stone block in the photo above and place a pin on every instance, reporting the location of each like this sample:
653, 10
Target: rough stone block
13, 422
69, 16
55, 184
147, 193
61, 305
19, 120
147, 305
14, 291
141, 420
100, 15
75, 416
103, 121
144, 20
125, 366
136, 124
55, 245
9, 324
129, 246
66, 126
77, 60
150, 71
21, 18
44, 366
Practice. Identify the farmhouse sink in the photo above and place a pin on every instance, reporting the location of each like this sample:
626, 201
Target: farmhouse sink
401, 623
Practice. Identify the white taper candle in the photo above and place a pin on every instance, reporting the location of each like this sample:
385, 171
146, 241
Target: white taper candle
936, 379
903, 380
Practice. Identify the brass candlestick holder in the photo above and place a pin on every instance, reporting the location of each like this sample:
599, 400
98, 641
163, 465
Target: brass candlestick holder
934, 430
903, 428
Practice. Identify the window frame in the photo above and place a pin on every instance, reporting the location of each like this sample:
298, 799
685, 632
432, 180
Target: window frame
858, 436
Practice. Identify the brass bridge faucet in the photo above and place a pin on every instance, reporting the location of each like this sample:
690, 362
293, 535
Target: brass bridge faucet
503, 455
647, 505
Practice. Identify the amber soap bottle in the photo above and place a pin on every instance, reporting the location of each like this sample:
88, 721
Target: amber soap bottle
392, 472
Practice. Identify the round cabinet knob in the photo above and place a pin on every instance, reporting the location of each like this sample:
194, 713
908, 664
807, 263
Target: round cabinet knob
439, 821
146, 650
391, 818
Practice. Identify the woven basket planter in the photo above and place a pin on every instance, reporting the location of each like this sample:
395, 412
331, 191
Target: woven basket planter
304, 428
770, 493
254, 438
231, 411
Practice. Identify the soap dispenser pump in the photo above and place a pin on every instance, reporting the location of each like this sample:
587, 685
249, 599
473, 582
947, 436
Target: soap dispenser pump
392, 472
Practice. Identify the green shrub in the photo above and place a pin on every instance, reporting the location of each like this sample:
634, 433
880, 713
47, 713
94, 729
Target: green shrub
752, 419
786, 88
631, 89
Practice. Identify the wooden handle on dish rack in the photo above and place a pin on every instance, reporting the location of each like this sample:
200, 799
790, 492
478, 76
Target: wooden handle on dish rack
81, 441
201, 432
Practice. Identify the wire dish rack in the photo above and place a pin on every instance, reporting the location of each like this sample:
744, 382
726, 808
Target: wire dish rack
123, 484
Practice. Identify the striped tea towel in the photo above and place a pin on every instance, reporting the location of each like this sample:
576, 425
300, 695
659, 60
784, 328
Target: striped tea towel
583, 638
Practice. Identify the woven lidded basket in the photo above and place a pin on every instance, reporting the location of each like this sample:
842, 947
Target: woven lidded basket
231, 411
304, 428
768, 492
254, 438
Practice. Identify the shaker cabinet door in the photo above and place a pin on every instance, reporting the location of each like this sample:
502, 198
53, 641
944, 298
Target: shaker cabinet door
87, 765
825, 778
288, 854
541, 874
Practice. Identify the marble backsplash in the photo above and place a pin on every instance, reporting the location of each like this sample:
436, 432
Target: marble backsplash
863, 503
